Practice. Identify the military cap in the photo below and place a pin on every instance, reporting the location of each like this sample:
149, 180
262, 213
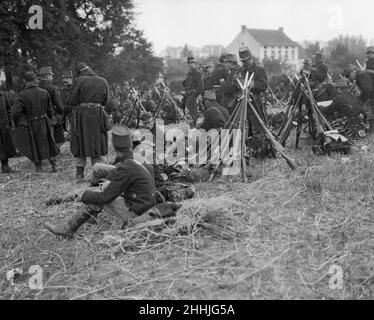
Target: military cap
318, 55
210, 95
121, 137
222, 57
67, 74
29, 76
307, 62
82, 66
370, 49
245, 53
191, 59
209, 64
230, 58
45, 70
341, 83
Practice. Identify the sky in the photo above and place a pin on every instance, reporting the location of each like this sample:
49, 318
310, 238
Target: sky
210, 22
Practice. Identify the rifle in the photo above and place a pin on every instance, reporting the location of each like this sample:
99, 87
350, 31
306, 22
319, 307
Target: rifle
277, 146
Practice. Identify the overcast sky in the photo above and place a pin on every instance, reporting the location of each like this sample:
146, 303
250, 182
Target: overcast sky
205, 22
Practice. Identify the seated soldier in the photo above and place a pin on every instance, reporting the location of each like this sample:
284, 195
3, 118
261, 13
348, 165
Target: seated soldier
215, 116
129, 190
344, 104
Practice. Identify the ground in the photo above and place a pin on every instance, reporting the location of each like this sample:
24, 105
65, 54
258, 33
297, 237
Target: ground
277, 237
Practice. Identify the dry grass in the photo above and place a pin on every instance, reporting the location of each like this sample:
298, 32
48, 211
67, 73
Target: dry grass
273, 238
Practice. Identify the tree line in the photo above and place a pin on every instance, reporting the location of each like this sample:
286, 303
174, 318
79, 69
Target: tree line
99, 33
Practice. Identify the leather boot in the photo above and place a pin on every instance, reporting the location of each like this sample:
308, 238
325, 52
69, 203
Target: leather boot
54, 165
38, 167
5, 167
80, 174
67, 229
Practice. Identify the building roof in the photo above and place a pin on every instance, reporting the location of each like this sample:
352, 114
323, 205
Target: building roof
271, 37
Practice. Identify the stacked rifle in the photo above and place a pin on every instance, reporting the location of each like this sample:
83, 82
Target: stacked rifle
167, 97
319, 128
136, 108
239, 120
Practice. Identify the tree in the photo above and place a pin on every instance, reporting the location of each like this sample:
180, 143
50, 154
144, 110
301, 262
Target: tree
312, 47
186, 52
91, 31
273, 66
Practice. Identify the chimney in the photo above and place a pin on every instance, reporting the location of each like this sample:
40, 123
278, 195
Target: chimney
244, 28
281, 29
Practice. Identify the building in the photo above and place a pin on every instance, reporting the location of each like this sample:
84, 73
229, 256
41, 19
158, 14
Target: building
267, 44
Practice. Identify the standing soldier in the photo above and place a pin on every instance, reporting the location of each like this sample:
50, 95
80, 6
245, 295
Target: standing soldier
45, 82
258, 86
32, 114
370, 58
67, 79
319, 69
7, 149
89, 128
193, 86
219, 73
229, 86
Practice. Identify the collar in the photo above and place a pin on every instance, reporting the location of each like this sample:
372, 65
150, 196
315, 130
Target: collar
31, 85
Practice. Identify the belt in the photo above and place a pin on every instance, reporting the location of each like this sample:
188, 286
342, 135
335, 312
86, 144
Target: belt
37, 117
90, 105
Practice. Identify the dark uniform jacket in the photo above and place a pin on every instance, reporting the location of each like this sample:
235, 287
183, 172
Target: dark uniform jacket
344, 104
32, 113
193, 83
89, 136
215, 117
7, 149
132, 181
365, 83
208, 82
219, 72
230, 87
58, 110
260, 84
318, 74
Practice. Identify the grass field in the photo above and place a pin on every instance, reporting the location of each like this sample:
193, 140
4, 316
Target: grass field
274, 238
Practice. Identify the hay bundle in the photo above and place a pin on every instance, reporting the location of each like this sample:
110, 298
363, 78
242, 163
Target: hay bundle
219, 217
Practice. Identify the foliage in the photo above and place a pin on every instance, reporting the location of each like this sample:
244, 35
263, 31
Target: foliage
73, 31
186, 52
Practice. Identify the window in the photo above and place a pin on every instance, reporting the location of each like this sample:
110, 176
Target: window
293, 54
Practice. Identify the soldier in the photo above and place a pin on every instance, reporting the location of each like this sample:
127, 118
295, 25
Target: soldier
259, 85
46, 77
215, 116
370, 58
67, 79
318, 70
7, 149
128, 191
32, 113
219, 73
229, 86
344, 104
207, 77
89, 128
193, 87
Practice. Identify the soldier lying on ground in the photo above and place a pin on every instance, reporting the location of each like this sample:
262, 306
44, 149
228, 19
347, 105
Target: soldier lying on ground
127, 193
344, 104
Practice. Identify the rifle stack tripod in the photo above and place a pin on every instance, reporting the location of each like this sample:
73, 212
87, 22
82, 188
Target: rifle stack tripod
239, 120
317, 124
